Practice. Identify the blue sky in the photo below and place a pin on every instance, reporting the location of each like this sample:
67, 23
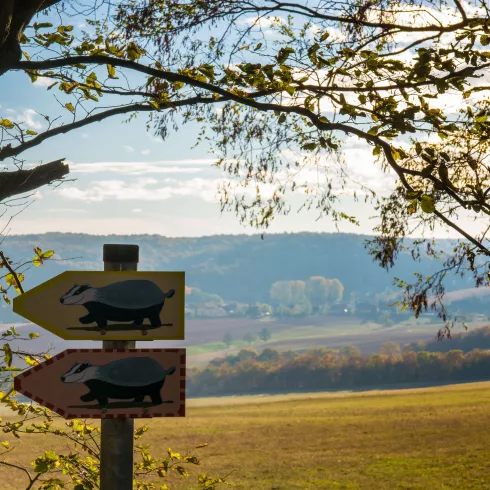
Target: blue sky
129, 181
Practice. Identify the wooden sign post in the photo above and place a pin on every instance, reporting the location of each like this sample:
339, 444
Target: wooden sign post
117, 435
117, 383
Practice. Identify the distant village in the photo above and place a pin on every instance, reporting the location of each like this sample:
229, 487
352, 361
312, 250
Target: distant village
296, 299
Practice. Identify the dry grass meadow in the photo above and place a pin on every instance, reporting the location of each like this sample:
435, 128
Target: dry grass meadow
432, 438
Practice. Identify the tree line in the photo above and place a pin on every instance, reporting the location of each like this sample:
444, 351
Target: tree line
270, 371
478, 338
302, 298
288, 298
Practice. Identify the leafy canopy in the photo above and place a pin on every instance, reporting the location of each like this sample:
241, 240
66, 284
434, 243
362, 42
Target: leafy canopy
279, 89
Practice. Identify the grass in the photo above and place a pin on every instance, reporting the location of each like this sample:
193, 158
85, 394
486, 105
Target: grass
433, 438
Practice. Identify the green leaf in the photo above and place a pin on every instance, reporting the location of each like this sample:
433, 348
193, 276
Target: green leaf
10, 279
324, 36
111, 71
411, 195
282, 118
51, 456
173, 455
485, 40
6, 123
47, 254
133, 52
154, 104
37, 261
309, 146
42, 25
70, 107
181, 470
33, 335
207, 70
62, 29
481, 117
427, 204
8, 354
283, 54
31, 132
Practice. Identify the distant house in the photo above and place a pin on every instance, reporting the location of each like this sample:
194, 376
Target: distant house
230, 308
210, 310
340, 309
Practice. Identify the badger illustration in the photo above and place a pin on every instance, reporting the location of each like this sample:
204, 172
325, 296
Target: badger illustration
122, 379
124, 301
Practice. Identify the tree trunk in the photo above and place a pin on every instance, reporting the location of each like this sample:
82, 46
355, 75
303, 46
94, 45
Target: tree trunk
22, 181
15, 15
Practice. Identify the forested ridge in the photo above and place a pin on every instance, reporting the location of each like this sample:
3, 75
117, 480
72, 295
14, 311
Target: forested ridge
236, 267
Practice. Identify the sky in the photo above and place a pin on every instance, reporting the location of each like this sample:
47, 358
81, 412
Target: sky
125, 180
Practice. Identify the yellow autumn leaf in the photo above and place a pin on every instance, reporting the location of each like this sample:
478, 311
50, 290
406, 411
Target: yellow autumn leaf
6, 123
111, 71
70, 107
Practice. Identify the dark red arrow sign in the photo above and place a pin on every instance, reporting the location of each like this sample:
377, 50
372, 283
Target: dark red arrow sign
109, 383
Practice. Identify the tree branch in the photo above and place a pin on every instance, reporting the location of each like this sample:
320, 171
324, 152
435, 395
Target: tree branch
9, 151
461, 9
21, 181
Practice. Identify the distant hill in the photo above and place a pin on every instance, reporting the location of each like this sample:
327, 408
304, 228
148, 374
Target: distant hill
236, 267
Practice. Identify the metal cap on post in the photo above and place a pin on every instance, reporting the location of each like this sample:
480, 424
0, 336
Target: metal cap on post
120, 253
117, 435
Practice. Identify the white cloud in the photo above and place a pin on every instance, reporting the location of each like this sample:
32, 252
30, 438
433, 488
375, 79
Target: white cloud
27, 117
143, 190
44, 82
263, 22
137, 210
146, 152
128, 149
138, 168
85, 135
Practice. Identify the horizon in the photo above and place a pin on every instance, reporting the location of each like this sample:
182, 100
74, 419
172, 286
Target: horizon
257, 234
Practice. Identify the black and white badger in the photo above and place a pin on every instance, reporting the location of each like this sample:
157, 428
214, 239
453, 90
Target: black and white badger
124, 301
122, 379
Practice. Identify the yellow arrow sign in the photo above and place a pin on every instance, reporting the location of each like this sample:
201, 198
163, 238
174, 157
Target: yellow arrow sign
96, 305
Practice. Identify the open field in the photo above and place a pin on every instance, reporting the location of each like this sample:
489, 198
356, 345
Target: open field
368, 337
204, 336
431, 438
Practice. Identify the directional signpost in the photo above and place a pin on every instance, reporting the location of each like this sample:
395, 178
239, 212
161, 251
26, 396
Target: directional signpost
109, 383
95, 305
119, 382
